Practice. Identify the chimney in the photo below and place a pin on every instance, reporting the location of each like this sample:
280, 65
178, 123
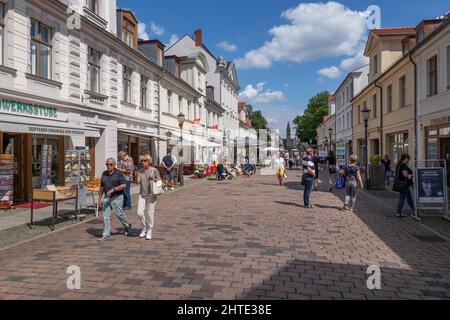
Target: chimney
198, 38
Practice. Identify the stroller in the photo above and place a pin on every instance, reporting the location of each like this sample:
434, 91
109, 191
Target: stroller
248, 170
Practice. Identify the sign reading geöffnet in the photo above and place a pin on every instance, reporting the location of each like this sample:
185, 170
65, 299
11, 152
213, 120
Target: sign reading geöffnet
431, 190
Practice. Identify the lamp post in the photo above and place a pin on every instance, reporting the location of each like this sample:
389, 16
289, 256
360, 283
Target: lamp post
366, 116
330, 132
181, 119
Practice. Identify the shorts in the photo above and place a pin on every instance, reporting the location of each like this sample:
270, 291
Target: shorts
280, 172
170, 175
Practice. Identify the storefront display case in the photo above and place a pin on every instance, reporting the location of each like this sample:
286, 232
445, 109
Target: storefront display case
6, 181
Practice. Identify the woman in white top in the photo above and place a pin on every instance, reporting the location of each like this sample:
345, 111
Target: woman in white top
280, 168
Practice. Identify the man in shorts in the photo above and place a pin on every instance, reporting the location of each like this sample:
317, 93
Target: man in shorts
170, 173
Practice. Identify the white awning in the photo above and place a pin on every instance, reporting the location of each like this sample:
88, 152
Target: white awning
45, 127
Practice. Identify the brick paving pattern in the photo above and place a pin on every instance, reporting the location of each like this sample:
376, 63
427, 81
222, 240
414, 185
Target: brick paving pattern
246, 239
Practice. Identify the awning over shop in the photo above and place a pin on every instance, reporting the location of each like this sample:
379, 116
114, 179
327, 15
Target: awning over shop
45, 127
138, 133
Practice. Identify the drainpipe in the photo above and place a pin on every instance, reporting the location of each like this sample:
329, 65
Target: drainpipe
381, 116
416, 127
159, 115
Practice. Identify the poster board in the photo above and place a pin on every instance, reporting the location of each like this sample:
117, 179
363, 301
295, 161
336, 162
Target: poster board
430, 185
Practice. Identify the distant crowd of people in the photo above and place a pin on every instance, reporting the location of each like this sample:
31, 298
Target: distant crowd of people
350, 174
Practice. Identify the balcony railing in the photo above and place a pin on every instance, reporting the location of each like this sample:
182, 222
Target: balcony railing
95, 17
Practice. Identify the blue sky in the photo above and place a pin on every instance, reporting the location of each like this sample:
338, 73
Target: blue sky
286, 50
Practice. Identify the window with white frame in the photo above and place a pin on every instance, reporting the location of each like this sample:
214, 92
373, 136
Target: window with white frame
170, 101
432, 72
128, 32
402, 92
375, 64
94, 70
448, 67
389, 99
374, 106
144, 82
94, 6
127, 73
189, 110
180, 104
41, 49
2, 30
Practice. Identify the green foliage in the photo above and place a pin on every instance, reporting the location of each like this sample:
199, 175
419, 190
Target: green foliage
375, 160
258, 120
312, 118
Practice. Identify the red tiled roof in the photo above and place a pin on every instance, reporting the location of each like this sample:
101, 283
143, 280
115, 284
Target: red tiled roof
394, 31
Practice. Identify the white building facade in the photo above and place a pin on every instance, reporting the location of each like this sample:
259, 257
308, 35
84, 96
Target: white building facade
68, 80
351, 86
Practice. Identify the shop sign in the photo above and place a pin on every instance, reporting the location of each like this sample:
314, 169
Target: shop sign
340, 149
27, 109
438, 121
54, 131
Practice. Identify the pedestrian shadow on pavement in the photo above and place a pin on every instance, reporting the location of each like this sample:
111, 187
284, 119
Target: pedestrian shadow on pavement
289, 204
328, 207
98, 233
294, 185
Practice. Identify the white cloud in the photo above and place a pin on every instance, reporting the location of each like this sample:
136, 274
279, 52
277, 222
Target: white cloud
355, 62
142, 34
156, 30
227, 46
331, 72
257, 95
314, 31
173, 38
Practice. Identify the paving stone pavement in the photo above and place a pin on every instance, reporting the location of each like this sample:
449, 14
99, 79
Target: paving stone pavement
246, 239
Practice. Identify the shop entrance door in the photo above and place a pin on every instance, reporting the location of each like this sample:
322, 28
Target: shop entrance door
13, 144
445, 154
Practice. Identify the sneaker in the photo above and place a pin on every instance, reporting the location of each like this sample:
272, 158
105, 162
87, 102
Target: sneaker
148, 236
308, 207
172, 189
398, 215
103, 239
345, 207
143, 233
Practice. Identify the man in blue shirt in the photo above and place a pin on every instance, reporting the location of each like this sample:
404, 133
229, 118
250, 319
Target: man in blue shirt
309, 174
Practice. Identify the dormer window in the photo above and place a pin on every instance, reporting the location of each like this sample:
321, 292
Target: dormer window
375, 64
405, 48
94, 6
128, 32
420, 36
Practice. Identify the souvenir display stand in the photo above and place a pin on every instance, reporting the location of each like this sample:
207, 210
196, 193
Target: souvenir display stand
6, 181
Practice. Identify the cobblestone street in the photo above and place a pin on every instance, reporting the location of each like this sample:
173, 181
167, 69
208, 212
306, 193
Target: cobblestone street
246, 239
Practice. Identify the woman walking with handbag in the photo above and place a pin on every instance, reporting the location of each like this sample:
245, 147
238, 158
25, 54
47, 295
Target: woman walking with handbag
148, 178
332, 170
403, 183
352, 175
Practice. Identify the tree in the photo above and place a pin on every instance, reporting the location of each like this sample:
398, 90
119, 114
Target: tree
312, 118
257, 118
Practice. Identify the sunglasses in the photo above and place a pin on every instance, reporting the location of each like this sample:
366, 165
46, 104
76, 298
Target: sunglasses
144, 161
110, 164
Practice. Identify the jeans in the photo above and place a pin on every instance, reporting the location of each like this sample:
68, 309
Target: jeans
352, 188
113, 203
387, 177
146, 211
401, 201
309, 184
127, 196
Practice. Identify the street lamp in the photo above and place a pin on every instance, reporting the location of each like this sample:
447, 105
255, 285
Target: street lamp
366, 116
330, 132
181, 119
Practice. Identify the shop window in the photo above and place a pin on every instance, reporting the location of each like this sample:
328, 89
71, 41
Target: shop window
41, 49
432, 76
2, 30
444, 131
127, 73
402, 92
432, 149
399, 144
45, 162
144, 82
94, 70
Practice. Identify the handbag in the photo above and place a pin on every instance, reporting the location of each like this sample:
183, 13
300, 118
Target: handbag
400, 186
157, 188
340, 183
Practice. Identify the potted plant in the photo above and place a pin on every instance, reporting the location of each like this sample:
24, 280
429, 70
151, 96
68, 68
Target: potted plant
376, 173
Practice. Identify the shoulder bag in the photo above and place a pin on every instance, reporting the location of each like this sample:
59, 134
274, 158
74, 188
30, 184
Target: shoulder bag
157, 187
400, 186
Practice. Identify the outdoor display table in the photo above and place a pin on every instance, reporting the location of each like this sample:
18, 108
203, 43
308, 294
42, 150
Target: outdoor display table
54, 197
